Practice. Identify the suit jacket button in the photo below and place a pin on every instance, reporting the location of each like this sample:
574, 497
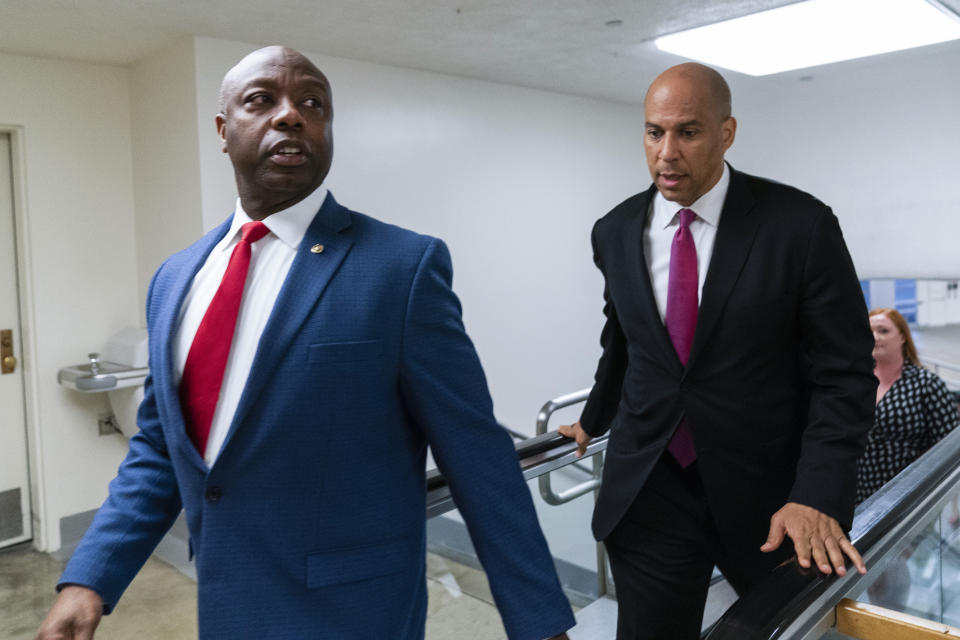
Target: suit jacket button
213, 494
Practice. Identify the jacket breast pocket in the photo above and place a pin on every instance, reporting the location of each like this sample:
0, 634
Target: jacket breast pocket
345, 352
343, 566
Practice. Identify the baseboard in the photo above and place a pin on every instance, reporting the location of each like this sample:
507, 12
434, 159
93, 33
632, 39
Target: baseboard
445, 537
174, 548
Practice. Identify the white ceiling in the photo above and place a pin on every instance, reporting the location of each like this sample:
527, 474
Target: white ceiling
557, 45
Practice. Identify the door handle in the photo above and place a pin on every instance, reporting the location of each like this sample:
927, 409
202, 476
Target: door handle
8, 362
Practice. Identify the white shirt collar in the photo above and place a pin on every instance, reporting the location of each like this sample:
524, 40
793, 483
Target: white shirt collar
289, 225
707, 207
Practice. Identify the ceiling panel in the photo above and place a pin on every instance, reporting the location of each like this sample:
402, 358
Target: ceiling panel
601, 49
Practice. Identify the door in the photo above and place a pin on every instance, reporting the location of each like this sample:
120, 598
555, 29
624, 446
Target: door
14, 480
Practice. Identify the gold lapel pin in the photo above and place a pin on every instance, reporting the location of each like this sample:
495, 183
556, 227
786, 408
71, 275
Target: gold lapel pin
317, 248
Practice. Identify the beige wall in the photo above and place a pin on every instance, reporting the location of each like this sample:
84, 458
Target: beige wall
81, 281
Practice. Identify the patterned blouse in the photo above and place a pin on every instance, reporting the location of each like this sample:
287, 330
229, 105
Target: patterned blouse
912, 416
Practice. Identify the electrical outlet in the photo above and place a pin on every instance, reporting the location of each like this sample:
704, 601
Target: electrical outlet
107, 424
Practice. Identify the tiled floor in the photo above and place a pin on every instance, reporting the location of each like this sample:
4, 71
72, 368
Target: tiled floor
161, 602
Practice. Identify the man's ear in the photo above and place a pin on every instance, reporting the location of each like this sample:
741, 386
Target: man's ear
222, 131
729, 128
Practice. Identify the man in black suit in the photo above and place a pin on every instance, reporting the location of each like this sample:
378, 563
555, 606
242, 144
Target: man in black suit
736, 377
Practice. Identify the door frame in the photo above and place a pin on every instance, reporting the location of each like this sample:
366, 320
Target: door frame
27, 337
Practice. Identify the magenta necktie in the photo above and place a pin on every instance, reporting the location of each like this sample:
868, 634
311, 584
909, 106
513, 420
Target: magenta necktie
681, 318
207, 358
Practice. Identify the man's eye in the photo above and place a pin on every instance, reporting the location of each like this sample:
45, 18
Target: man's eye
689, 133
653, 133
259, 98
314, 103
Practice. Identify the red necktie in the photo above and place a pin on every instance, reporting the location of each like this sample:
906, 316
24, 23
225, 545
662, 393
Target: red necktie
681, 318
207, 358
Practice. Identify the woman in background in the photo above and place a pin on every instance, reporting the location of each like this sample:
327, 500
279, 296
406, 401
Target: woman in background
914, 408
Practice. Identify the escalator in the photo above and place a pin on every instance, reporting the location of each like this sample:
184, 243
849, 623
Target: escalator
908, 534
909, 537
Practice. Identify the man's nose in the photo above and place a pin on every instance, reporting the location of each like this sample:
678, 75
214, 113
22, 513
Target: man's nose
668, 148
287, 116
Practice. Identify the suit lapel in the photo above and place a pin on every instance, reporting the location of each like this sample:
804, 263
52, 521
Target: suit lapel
184, 266
735, 235
309, 275
643, 285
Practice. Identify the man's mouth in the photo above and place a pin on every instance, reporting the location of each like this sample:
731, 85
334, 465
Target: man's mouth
671, 179
288, 154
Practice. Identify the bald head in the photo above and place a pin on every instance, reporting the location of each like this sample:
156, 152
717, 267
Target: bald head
709, 86
276, 124
274, 55
688, 130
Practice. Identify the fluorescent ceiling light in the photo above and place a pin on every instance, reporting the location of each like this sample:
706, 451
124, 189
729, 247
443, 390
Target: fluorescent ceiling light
815, 32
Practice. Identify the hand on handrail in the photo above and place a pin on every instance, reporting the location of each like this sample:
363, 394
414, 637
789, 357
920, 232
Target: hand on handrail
815, 535
576, 432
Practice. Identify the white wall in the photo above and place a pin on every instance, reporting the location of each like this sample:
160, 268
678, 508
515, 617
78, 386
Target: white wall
938, 303
879, 143
82, 283
166, 164
512, 179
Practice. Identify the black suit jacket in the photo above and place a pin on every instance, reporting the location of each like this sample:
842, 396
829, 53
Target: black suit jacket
779, 388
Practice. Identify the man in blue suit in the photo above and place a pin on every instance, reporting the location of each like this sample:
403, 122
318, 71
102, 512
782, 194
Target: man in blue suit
304, 490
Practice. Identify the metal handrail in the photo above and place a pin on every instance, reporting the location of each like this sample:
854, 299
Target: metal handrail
551, 406
793, 603
594, 450
936, 362
516, 435
537, 456
543, 420
953, 383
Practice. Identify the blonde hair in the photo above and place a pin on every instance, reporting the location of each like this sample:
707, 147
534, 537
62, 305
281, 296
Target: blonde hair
909, 350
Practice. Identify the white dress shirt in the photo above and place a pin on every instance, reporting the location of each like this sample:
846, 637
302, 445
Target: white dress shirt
662, 226
270, 260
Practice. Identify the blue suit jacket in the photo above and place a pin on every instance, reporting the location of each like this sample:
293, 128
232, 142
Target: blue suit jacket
310, 524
